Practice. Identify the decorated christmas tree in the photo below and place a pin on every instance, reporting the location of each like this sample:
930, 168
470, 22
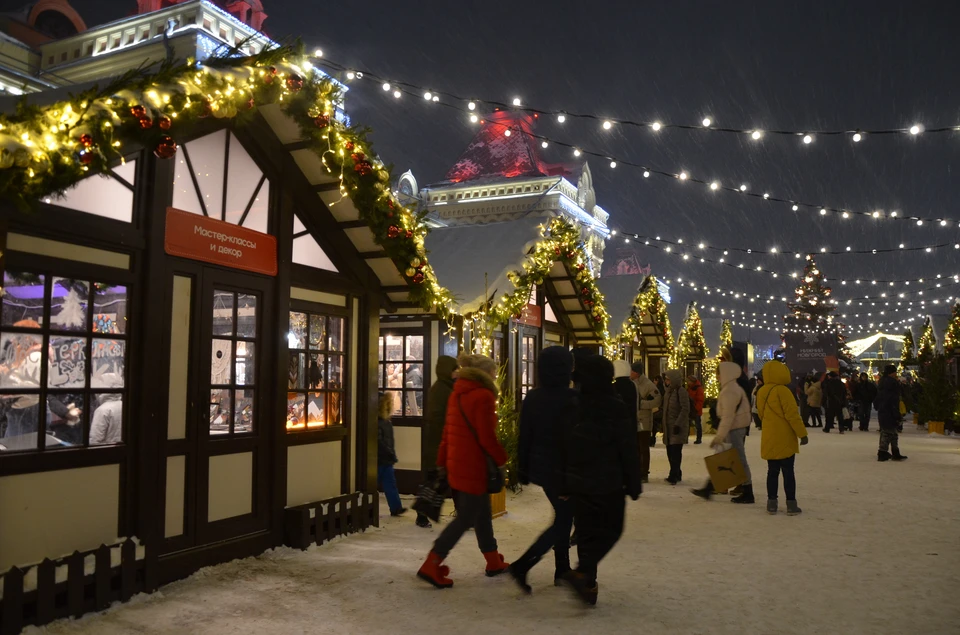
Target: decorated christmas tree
813, 306
907, 357
690, 344
726, 335
951, 337
928, 343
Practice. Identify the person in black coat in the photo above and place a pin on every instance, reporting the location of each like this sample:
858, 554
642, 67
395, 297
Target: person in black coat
864, 393
601, 467
834, 399
888, 414
546, 412
387, 456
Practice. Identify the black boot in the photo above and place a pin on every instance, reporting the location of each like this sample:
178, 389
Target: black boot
519, 570
897, 456
705, 492
883, 455
746, 498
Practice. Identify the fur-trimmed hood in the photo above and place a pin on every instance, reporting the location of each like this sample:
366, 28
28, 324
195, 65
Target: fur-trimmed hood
478, 376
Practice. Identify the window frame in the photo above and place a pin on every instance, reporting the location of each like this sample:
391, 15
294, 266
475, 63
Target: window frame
306, 435
423, 361
530, 364
40, 460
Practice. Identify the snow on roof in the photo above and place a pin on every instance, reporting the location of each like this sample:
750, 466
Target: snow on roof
619, 292
461, 255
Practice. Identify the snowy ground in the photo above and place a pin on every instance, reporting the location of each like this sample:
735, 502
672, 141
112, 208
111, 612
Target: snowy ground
877, 550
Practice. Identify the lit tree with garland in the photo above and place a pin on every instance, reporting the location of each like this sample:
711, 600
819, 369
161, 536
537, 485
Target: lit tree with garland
648, 301
928, 343
951, 337
691, 343
813, 306
726, 335
906, 351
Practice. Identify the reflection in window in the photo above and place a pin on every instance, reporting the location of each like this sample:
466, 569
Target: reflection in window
528, 364
62, 383
233, 368
109, 195
315, 381
401, 373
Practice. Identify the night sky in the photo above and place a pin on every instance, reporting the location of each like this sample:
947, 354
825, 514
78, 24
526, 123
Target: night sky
786, 65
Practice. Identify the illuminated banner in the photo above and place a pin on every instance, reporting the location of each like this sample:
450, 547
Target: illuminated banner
201, 238
808, 352
531, 316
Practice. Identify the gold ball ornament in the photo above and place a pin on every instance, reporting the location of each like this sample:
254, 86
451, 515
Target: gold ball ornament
415, 262
6, 159
411, 272
21, 158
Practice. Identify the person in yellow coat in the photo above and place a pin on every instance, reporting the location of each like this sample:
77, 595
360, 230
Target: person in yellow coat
782, 434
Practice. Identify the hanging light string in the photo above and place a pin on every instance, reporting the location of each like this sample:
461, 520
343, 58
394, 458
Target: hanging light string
706, 124
398, 89
722, 261
776, 251
773, 317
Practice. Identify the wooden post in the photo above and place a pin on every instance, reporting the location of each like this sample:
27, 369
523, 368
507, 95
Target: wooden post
128, 569
75, 584
46, 591
12, 602
101, 577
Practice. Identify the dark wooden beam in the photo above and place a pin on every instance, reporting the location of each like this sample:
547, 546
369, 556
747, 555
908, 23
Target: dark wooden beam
396, 289
332, 186
352, 224
370, 255
293, 146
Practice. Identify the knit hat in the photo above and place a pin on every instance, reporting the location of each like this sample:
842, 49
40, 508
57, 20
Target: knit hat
638, 368
889, 369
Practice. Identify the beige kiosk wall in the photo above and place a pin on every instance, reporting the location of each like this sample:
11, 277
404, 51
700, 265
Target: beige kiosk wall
313, 472
52, 514
407, 443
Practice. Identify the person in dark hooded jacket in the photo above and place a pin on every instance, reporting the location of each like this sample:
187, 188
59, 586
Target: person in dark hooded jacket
547, 411
580, 354
602, 466
435, 417
887, 403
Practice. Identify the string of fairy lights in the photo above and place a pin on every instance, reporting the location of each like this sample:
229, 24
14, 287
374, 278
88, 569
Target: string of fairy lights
470, 107
771, 319
707, 123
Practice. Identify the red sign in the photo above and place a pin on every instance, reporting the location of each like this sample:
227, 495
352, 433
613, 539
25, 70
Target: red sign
214, 241
531, 316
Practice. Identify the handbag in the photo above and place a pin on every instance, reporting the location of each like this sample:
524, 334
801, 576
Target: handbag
430, 497
845, 412
495, 479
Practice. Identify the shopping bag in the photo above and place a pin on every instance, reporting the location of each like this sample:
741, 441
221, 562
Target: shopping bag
726, 470
430, 497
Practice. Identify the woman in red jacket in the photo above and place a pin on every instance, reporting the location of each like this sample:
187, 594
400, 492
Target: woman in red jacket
469, 436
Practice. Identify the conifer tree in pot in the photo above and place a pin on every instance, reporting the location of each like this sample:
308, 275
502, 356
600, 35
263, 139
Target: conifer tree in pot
938, 403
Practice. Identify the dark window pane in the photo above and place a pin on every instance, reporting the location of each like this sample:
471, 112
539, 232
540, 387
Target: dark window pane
22, 299
68, 305
109, 309
336, 334
296, 419
318, 331
67, 362
21, 355
297, 335
246, 364
106, 424
65, 417
244, 411
221, 358
335, 372
22, 422
220, 411
414, 376
106, 369
316, 372
223, 312
246, 315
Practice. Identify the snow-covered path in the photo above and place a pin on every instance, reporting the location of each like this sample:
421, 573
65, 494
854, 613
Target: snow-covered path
877, 550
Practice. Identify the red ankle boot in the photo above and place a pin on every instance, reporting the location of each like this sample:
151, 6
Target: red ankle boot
495, 563
435, 572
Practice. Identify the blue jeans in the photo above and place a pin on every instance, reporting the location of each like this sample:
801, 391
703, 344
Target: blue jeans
388, 482
556, 536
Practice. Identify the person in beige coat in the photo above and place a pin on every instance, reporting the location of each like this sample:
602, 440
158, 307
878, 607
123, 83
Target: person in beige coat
814, 391
649, 400
676, 422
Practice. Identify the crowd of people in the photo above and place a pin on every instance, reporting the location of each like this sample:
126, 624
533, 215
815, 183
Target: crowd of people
585, 435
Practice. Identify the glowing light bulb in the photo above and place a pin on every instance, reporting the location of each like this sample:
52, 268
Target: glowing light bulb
561, 118
796, 208
516, 101
607, 125
397, 94
915, 129
656, 126
919, 222
351, 74
743, 188
707, 121
471, 106
845, 215
823, 211
894, 214
683, 176
576, 152
386, 86
613, 164
544, 144
646, 174
765, 196
428, 95
318, 53
435, 98
857, 137
943, 223
756, 135
507, 133
808, 139
876, 214
714, 185
474, 119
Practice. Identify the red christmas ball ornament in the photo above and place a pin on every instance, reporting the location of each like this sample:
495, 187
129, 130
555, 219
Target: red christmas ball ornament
570, 255
271, 73
321, 121
250, 104
166, 148
556, 250
585, 291
86, 140
390, 203
206, 109
581, 267
146, 123
86, 157
164, 123
409, 233
358, 156
138, 111
295, 83
393, 231
363, 168
418, 278
349, 145
389, 214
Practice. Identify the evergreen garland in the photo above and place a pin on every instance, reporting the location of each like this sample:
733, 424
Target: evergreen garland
691, 343
928, 343
907, 350
951, 337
